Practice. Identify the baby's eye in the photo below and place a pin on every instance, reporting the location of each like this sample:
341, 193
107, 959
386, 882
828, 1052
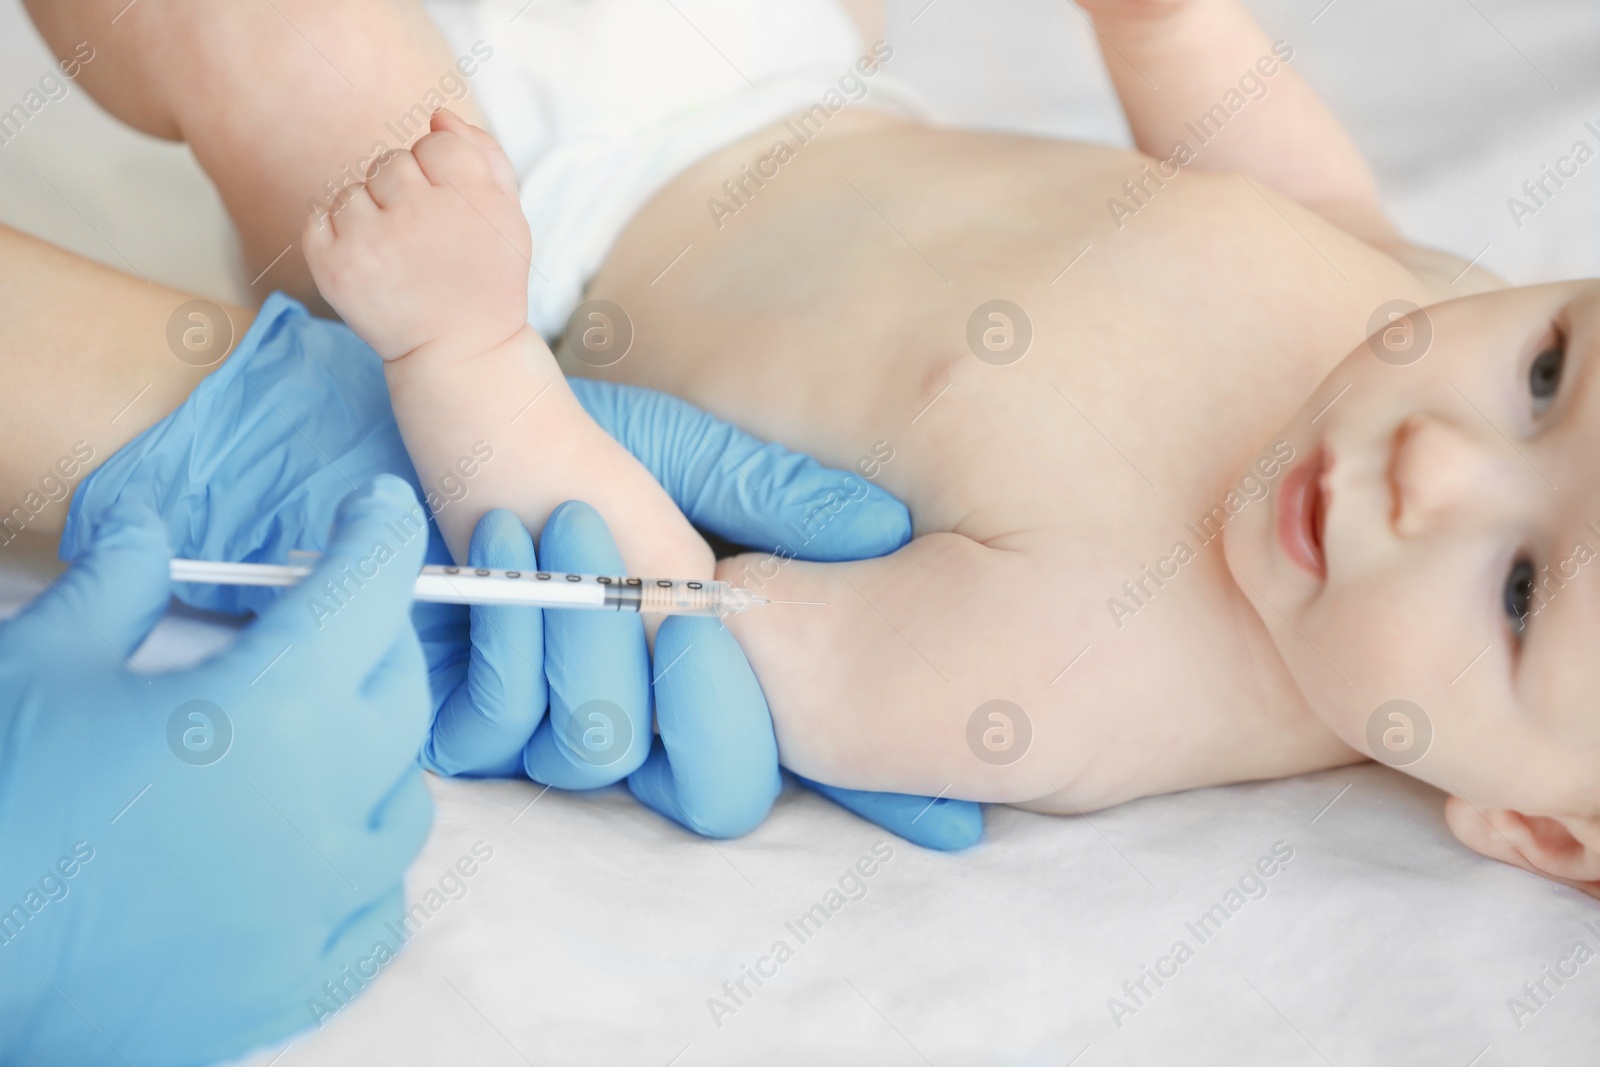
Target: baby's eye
1544, 376
1519, 595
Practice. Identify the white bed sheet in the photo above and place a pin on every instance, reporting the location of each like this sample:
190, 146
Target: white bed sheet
597, 933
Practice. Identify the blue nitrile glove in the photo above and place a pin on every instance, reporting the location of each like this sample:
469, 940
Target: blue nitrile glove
713, 769
194, 864
249, 467
758, 494
723, 774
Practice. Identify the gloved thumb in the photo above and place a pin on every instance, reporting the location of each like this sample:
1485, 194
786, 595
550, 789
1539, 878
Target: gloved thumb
747, 491
343, 619
107, 603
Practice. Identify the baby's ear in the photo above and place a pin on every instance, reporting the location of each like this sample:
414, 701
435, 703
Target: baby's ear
1565, 849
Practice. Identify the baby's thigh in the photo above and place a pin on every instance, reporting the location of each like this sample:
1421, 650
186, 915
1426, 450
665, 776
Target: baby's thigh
874, 669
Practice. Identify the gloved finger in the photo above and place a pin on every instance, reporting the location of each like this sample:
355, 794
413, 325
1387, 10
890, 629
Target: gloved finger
946, 825
744, 490
341, 621
394, 714
597, 667
334, 765
106, 604
483, 725
715, 767
366, 938
392, 833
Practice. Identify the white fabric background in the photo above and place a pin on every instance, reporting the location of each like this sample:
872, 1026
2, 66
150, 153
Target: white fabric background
597, 931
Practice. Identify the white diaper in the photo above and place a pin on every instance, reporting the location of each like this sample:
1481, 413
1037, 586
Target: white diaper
600, 103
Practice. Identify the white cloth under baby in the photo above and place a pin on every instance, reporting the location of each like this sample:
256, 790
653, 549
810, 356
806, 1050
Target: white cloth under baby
600, 103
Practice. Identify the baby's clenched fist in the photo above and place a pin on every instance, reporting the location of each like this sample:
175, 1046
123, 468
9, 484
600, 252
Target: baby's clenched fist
429, 259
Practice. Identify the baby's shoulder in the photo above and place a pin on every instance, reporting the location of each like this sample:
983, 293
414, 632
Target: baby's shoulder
1446, 273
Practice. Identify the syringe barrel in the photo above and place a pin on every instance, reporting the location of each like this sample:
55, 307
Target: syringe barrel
651, 596
660, 596
483, 585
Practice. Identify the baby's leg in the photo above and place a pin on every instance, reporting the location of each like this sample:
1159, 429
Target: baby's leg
276, 99
84, 368
875, 677
1182, 65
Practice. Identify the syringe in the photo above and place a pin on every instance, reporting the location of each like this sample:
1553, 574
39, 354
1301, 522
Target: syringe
536, 589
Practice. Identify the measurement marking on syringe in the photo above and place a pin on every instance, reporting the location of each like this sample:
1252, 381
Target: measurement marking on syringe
542, 589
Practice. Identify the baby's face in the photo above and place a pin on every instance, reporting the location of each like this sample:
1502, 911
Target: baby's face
1432, 542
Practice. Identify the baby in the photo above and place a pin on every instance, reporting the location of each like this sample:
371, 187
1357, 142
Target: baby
1201, 494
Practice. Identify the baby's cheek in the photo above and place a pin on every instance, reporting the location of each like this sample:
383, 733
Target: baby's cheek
1371, 644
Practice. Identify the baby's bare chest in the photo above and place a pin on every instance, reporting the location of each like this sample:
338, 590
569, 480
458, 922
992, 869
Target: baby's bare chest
974, 320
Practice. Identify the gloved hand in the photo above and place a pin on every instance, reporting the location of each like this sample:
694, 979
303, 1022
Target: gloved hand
713, 769
763, 496
722, 772
248, 468
190, 861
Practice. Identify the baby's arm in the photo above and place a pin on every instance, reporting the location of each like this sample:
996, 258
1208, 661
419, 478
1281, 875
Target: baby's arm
428, 263
1174, 61
873, 678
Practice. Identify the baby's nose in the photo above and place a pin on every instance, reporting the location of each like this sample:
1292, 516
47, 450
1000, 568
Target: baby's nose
1441, 474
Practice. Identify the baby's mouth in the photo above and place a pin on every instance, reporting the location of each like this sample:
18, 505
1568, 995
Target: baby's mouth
1302, 514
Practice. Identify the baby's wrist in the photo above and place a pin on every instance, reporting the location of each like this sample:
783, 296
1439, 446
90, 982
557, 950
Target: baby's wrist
469, 356
495, 385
